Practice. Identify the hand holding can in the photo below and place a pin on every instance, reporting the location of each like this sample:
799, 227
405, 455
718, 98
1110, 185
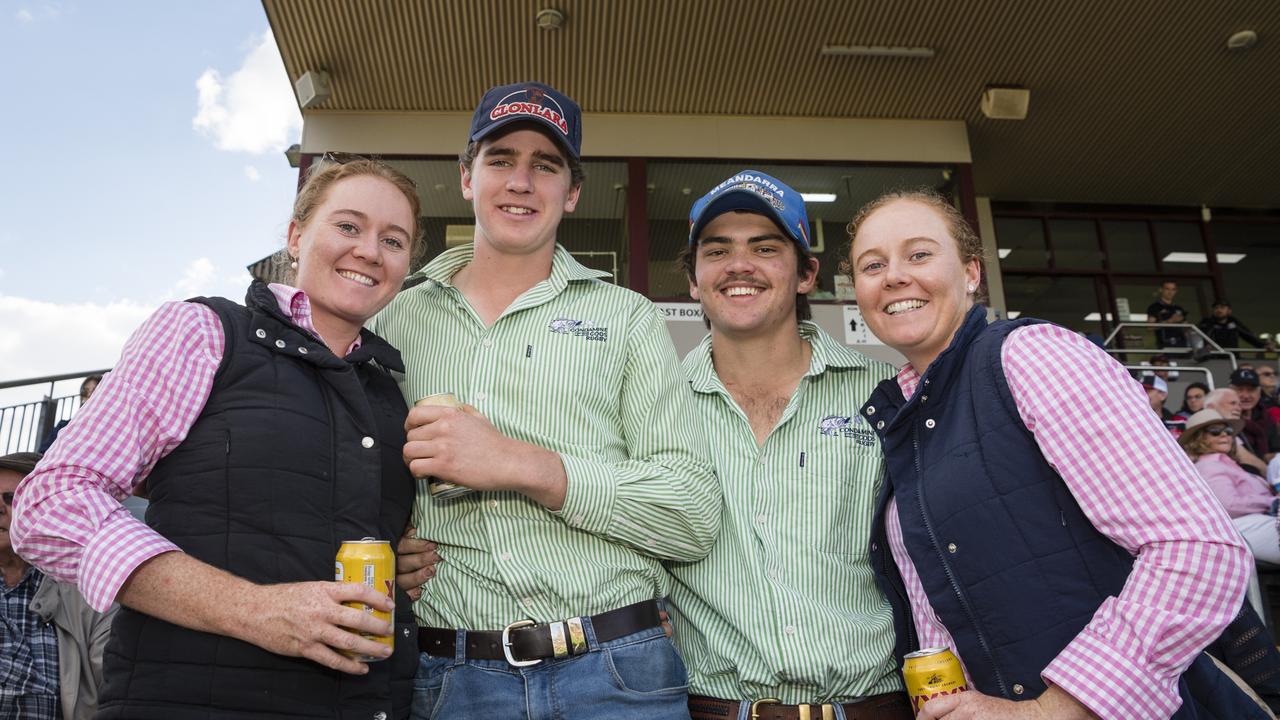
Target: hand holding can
370, 563
931, 673
442, 489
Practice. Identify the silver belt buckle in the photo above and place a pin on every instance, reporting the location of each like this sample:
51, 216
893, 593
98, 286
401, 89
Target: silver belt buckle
506, 644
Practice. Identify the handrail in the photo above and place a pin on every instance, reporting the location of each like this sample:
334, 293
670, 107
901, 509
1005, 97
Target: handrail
1150, 370
1215, 351
51, 378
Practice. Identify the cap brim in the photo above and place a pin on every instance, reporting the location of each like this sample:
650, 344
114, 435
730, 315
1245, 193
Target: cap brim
738, 199
533, 121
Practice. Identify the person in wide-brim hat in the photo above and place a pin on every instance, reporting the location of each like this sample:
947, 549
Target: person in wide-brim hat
1202, 421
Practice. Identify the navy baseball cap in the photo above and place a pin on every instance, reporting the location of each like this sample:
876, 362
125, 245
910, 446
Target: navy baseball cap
753, 191
1244, 377
530, 101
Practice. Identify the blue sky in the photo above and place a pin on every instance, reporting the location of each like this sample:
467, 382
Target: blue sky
144, 144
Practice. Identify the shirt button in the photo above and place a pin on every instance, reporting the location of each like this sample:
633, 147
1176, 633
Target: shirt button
379, 715
527, 602
879, 424
762, 518
773, 574
487, 342
480, 397
280, 344
875, 547
576, 519
303, 350
951, 548
260, 333
790, 629
871, 409
929, 423
762, 460
366, 442
1018, 689
505, 557
493, 503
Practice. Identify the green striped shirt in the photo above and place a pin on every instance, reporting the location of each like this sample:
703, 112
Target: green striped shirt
585, 369
786, 604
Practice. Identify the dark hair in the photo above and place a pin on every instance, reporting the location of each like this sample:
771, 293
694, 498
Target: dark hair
577, 175
688, 261
968, 244
95, 379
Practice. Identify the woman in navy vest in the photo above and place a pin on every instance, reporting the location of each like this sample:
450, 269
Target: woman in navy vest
265, 434
1036, 517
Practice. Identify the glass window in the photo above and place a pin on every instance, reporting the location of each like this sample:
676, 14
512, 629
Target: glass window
1182, 238
1021, 242
1249, 281
1075, 244
674, 186
1129, 246
1068, 301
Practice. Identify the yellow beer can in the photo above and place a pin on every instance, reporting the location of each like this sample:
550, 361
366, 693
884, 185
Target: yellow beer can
443, 489
370, 563
930, 673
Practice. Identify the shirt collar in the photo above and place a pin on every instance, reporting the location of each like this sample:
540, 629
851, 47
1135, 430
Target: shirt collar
826, 353
296, 306
564, 267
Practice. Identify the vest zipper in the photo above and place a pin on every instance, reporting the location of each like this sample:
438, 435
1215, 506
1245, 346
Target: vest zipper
933, 539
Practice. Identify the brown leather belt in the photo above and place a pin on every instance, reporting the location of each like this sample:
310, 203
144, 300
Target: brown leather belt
889, 706
526, 643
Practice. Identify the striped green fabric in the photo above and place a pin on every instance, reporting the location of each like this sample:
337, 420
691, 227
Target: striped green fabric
583, 368
786, 604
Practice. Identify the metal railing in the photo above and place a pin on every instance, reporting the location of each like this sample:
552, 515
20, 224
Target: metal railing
1152, 369
1208, 349
24, 425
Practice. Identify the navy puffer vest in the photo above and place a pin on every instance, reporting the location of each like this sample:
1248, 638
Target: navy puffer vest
1009, 561
295, 451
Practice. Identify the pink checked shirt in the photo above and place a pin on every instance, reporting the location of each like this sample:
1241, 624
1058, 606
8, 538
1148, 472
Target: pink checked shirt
68, 520
1094, 426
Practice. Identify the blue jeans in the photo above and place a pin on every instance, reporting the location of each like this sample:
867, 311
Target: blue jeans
636, 677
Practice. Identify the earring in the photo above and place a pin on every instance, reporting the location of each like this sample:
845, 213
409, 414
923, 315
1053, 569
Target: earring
294, 266
970, 288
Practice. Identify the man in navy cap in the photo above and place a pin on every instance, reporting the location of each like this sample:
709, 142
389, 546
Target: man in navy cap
580, 443
783, 618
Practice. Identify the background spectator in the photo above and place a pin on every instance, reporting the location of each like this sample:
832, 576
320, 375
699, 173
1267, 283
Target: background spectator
1249, 500
51, 641
86, 389
1267, 384
1163, 310
1193, 399
1224, 329
1227, 402
1157, 392
1261, 432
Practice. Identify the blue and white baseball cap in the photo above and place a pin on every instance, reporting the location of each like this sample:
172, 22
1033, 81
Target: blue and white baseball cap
755, 192
530, 101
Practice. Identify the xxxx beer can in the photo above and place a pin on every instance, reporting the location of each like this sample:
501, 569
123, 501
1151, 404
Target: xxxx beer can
370, 563
442, 489
931, 673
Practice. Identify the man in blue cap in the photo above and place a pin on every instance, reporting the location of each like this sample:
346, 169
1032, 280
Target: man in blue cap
579, 441
783, 618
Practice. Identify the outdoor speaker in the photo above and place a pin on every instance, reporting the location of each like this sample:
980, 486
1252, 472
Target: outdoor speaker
1005, 103
312, 88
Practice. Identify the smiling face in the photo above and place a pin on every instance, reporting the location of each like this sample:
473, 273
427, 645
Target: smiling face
353, 251
1249, 396
1228, 405
745, 276
519, 186
912, 287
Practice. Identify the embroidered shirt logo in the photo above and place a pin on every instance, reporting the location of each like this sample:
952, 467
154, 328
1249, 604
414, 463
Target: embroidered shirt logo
579, 328
852, 427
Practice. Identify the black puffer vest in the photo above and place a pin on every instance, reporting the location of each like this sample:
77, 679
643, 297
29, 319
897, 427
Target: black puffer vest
1011, 564
295, 451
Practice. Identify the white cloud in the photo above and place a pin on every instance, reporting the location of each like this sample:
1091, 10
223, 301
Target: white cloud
252, 110
42, 338
24, 15
252, 173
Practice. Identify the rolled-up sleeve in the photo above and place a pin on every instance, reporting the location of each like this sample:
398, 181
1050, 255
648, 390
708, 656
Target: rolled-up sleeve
68, 517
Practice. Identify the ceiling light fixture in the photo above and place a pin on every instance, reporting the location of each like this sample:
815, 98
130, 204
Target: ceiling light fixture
1013, 314
1193, 257
890, 51
1003, 252
1242, 40
1095, 317
549, 19
818, 197
1005, 102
